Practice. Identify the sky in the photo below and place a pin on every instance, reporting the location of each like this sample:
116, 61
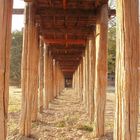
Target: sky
18, 20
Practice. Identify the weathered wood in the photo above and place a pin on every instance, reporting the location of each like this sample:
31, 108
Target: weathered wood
5, 42
127, 59
35, 78
41, 75
63, 41
46, 76
92, 57
26, 111
67, 12
100, 71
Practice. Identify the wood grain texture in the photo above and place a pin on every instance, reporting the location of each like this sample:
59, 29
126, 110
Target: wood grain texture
127, 61
5, 43
100, 71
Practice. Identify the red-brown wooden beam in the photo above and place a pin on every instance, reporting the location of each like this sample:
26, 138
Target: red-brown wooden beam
67, 12
63, 41
69, 30
21, 12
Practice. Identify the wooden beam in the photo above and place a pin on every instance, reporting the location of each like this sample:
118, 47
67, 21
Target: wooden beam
64, 4
20, 11
63, 41
67, 12
72, 30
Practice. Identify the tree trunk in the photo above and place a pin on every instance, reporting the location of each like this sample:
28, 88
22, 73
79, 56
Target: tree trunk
127, 59
5, 43
100, 71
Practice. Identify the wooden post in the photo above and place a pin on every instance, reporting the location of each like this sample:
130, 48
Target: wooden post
127, 61
87, 76
41, 75
84, 81
36, 76
46, 76
54, 78
51, 77
5, 43
92, 51
27, 101
100, 70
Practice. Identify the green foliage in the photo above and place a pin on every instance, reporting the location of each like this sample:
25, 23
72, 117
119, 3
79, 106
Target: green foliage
111, 50
85, 128
16, 50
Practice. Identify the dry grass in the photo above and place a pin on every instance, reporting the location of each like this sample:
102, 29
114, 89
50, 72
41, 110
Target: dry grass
66, 118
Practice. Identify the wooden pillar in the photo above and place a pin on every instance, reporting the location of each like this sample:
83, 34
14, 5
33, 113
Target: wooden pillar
36, 76
28, 82
100, 70
92, 51
87, 76
54, 78
41, 75
84, 81
127, 59
5, 43
51, 77
46, 76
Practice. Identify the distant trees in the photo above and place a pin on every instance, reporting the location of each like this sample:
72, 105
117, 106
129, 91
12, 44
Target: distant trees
16, 51
111, 50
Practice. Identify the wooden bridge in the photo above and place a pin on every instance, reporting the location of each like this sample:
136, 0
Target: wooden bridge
68, 38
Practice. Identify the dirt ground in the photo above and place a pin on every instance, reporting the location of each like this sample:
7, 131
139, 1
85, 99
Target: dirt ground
66, 118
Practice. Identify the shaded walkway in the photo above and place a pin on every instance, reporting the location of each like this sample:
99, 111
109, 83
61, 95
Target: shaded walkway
66, 119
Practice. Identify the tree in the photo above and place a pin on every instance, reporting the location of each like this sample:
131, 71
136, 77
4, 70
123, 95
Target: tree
16, 50
111, 50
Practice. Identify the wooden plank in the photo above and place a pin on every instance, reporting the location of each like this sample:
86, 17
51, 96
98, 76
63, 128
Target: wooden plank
127, 62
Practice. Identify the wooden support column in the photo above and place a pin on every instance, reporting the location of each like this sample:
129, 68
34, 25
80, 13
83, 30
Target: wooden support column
41, 75
100, 71
84, 81
5, 43
87, 76
54, 78
92, 56
51, 77
46, 77
127, 61
30, 78
36, 76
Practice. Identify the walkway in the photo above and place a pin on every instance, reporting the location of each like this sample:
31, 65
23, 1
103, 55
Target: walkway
67, 120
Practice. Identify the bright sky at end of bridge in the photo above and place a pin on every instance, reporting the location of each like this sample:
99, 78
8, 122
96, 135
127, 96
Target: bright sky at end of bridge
18, 20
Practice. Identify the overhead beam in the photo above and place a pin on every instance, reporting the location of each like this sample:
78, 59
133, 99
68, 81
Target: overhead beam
17, 11
67, 12
73, 30
63, 41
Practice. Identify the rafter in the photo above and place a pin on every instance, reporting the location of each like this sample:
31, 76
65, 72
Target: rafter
67, 12
63, 41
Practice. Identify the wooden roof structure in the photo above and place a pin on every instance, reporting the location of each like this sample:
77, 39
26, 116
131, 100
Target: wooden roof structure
65, 26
